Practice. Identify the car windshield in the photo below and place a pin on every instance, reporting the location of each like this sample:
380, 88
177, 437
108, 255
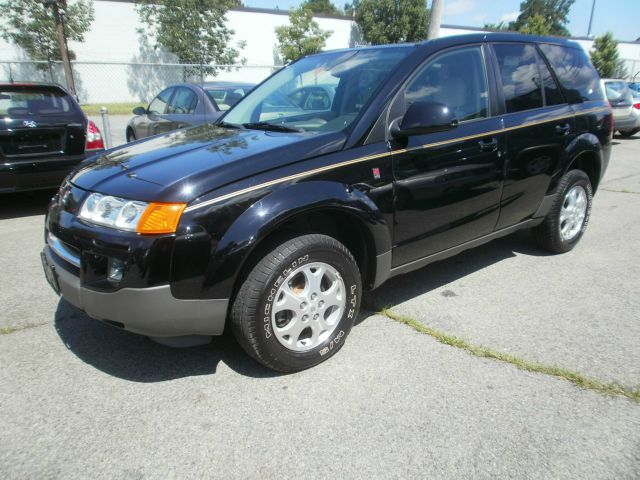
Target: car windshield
34, 102
320, 93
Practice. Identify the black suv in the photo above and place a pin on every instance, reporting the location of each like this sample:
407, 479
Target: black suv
43, 135
277, 218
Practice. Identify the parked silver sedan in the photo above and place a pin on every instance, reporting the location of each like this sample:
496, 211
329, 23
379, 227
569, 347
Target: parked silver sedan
183, 105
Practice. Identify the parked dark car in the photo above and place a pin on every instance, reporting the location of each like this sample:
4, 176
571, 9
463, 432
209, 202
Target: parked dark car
43, 135
635, 86
184, 105
275, 228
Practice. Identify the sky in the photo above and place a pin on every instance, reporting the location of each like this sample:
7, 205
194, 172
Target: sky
622, 19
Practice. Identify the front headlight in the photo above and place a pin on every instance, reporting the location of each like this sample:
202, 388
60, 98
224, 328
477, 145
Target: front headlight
131, 215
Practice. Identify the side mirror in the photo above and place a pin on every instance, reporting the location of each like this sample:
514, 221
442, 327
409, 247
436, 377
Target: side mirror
422, 118
139, 111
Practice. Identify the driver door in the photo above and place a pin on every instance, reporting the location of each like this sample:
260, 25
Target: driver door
156, 120
447, 184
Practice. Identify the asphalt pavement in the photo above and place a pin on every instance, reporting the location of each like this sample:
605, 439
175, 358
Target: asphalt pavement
117, 127
80, 399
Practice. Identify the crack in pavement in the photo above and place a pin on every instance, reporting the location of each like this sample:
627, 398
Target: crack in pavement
624, 190
10, 330
578, 379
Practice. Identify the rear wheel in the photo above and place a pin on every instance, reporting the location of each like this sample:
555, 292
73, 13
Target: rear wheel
567, 220
131, 136
297, 305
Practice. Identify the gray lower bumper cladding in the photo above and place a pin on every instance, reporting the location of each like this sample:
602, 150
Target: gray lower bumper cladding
152, 311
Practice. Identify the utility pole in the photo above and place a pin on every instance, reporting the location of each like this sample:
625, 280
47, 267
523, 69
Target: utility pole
437, 7
593, 7
62, 43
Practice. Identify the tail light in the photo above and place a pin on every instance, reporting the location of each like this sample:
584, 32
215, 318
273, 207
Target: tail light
636, 105
94, 137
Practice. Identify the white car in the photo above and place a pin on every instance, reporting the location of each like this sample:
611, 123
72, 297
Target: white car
626, 109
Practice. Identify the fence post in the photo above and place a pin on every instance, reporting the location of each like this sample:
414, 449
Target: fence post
106, 128
51, 71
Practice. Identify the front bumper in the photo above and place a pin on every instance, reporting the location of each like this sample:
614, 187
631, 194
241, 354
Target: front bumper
151, 311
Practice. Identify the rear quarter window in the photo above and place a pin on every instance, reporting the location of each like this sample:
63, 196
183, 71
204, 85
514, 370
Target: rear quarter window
520, 76
578, 78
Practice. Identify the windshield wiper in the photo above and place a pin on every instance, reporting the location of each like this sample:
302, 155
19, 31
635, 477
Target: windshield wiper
273, 127
227, 125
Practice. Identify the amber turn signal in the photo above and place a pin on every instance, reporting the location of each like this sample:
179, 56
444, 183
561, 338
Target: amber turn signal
161, 218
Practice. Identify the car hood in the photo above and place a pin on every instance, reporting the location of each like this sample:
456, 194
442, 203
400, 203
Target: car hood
185, 164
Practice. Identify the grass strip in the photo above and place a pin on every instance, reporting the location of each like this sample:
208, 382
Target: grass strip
623, 190
112, 108
576, 378
8, 330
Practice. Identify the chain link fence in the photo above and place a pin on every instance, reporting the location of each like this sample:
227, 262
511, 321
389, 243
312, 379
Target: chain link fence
633, 69
119, 82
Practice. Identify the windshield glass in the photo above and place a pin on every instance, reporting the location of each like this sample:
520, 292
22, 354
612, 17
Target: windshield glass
321, 93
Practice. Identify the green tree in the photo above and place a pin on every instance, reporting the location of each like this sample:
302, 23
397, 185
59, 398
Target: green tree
301, 37
30, 25
536, 25
497, 26
605, 58
321, 6
552, 13
392, 21
351, 7
195, 31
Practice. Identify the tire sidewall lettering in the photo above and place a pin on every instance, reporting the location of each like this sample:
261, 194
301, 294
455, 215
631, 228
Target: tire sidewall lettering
352, 304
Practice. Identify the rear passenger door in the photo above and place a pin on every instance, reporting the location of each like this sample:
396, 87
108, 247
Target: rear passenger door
447, 184
539, 125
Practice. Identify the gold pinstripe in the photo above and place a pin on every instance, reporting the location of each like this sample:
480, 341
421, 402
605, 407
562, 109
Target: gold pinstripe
385, 154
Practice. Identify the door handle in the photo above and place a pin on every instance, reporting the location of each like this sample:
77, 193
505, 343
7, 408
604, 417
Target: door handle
488, 145
563, 129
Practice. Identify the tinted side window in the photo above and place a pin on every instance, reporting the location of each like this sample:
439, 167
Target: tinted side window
552, 94
520, 76
578, 78
159, 104
184, 101
456, 78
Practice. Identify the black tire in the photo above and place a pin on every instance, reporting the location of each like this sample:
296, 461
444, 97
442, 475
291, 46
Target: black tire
548, 233
251, 318
629, 133
131, 137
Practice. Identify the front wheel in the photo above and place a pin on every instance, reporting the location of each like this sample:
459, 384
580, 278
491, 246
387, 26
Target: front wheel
298, 304
568, 217
131, 136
